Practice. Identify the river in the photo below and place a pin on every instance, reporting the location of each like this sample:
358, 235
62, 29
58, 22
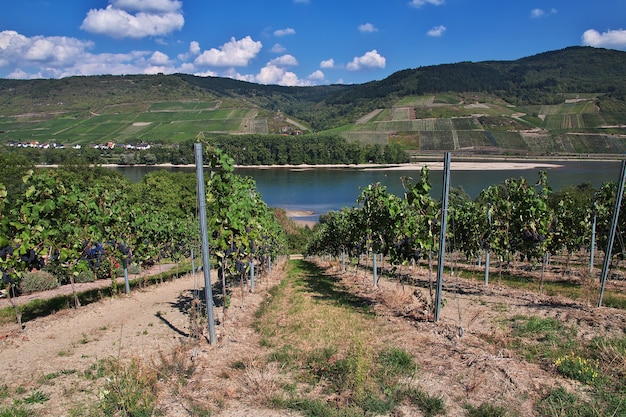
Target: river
320, 190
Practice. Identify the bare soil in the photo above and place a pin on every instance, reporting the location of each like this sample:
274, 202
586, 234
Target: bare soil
457, 357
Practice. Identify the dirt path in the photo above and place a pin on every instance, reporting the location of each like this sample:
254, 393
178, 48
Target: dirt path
147, 324
83, 286
55, 353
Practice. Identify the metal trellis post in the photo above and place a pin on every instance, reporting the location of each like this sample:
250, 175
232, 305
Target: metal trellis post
206, 267
442, 235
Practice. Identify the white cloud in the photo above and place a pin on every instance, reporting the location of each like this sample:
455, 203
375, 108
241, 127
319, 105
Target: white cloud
609, 39
50, 54
58, 57
317, 76
236, 53
367, 28
284, 61
327, 63
537, 13
206, 74
194, 50
194, 47
153, 18
284, 32
301, 1
271, 74
420, 3
278, 48
437, 31
371, 59
159, 58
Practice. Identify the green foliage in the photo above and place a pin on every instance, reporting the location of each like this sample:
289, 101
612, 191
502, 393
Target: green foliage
575, 367
37, 397
130, 389
396, 361
430, 405
560, 402
486, 410
16, 411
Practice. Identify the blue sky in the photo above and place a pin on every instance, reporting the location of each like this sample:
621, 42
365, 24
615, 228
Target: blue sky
290, 42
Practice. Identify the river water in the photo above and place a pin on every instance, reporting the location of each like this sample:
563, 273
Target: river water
320, 190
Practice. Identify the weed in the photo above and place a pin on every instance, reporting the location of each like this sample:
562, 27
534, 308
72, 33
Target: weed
15, 411
130, 389
396, 361
286, 355
560, 402
48, 377
575, 367
486, 410
37, 397
430, 405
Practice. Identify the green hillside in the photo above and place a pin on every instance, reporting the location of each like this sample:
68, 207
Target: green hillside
569, 101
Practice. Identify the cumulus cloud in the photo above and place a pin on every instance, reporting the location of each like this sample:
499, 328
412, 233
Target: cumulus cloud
327, 63
284, 32
420, 3
278, 48
317, 76
50, 54
608, 39
271, 74
194, 47
367, 28
284, 61
437, 31
371, 59
194, 50
159, 58
236, 53
150, 18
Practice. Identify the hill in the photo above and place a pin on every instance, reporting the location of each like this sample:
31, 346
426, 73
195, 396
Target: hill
568, 101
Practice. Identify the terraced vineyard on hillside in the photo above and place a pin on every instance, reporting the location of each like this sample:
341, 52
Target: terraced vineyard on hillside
436, 122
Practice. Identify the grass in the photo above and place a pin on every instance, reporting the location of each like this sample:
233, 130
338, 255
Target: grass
574, 289
598, 364
328, 338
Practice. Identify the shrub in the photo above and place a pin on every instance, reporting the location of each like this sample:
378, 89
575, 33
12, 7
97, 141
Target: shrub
38, 281
133, 269
85, 276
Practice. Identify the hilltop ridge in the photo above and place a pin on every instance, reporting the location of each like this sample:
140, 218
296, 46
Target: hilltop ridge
569, 101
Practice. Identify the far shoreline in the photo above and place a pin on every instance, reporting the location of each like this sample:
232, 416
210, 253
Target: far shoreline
433, 162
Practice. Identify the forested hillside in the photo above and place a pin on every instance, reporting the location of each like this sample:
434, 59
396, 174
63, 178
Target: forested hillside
570, 101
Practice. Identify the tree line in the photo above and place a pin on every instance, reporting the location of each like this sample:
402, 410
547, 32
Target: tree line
245, 149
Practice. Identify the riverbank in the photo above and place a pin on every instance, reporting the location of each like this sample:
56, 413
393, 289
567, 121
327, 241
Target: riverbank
486, 165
